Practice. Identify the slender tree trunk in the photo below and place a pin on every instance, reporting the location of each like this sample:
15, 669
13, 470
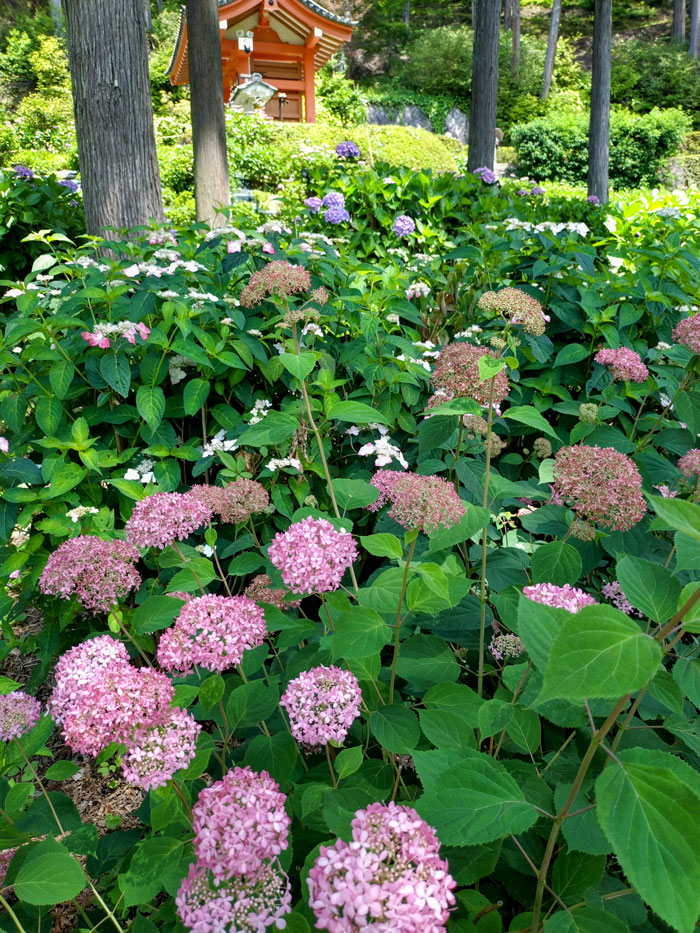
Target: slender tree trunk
599, 129
484, 98
147, 15
159, 5
56, 16
406, 13
678, 23
551, 48
113, 113
694, 48
507, 15
515, 64
211, 179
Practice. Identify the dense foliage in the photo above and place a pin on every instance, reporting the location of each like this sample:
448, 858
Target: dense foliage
441, 549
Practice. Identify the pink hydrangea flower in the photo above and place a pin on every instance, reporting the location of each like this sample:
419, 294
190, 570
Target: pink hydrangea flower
19, 712
206, 904
389, 876
96, 340
268, 248
423, 502
687, 333
517, 307
98, 572
239, 823
4, 445
276, 278
601, 484
6, 856
79, 668
625, 364
457, 372
507, 645
157, 752
322, 704
260, 591
613, 592
689, 464
212, 632
235, 502
560, 597
165, 517
312, 555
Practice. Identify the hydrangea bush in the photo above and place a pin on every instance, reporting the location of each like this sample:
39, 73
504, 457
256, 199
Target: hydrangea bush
362, 559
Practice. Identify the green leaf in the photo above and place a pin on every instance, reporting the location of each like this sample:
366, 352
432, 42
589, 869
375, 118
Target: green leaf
61, 771
157, 863
585, 920
150, 403
455, 698
49, 875
359, 633
446, 729
355, 412
691, 617
155, 613
7, 685
686, 674
490, 367
211, 692
686, 407
653, 822
116, 372
473, 801
354, 493
582, 832
60, 377
526, 414
678, 514
538, 626
382, 545
63, 479
472, 521
396, 728
277, 754
524, 730
599, 652
571, 353
48, 414
574, 872
298, 365
251, 703
649, 587
195, 395
348, 760
494, 716
185, 580
556, 562
425, 660
273, 430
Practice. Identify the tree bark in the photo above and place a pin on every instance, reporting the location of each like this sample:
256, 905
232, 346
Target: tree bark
484, 97
507, 15
406, 13
108, 59
515, 62
56, 16
211, 178
551, 48
599, 128
678, 23
694, 47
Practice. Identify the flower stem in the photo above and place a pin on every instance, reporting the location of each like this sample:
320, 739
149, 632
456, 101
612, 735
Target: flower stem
181, 794
127, 634
105, 907
397, 627
456, 456
12, 914
482, 588
41, 787
182, 557
330, 766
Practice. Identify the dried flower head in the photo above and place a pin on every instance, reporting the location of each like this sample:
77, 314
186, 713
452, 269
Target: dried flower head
235, 502
457, 371
312, 555
157, 752
19, 712
506, 646
322, 704
602, 485
687, 333
689, 464
418, 502
212, 632
516, 307
542, 448
260, 591
474, 425
239, 823
276, 278
625, 364
165, 517
495, 445
581, 530
560, 597
588, 413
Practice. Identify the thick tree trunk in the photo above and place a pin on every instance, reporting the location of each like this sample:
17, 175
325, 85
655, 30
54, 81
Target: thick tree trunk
515, 62
551, 48
694, 47
56, 16
211, 179
678, 23
484, 98
599, 129
113, 113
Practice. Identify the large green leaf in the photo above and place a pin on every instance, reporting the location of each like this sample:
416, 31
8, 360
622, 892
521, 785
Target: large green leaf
425, 660
49, 875
538, 626
526, 414
156, 613
678, 514
354, 493
150, 402
556, 562
649, 587
382, 545
271, 431
195, 395
157, 863
599, 652
474, 801
355, 412
299, 365
359, 633
653, 822
116, 372
48, 414
60, 377
472, 521
396, 728
586, 920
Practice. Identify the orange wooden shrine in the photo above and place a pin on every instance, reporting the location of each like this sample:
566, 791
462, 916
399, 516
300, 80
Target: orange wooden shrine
292, 39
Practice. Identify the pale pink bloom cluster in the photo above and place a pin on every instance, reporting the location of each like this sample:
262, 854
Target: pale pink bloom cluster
566, 597
457, 372
320, 295
235, 502
6, 856
79, 668
312, 555
276, 278
206, 904
417, 290
389, 876
687, 333
423, 502
260, 591
624, 364
517, 307
601, 484
19, 712
165, 517
613, 592
240, 823
506, 646
689, 464
157, 752
4, 445
322, 704
100, 337
383, 447
211, 632
98, 572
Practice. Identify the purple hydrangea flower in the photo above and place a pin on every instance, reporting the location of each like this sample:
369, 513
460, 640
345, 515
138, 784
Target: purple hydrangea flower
536, 189
486, 174
404, 225
593, 199
333, 199
348, 150
336, 215
521, 192
314, 204
69, 183
22, 171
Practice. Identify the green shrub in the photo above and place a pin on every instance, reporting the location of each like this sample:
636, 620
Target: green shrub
556, 147
46, 124
176, 167
647, 74
341, 99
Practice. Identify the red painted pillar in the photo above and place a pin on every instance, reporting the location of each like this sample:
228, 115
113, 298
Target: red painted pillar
309, 86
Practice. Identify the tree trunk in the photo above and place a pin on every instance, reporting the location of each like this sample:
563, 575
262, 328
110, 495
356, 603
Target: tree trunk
507, 15
694, 48
211, 179
551, 48
515, 64
406, 13
147, 15
599, 129
56, 16
484, 98
678, 23
113, 113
